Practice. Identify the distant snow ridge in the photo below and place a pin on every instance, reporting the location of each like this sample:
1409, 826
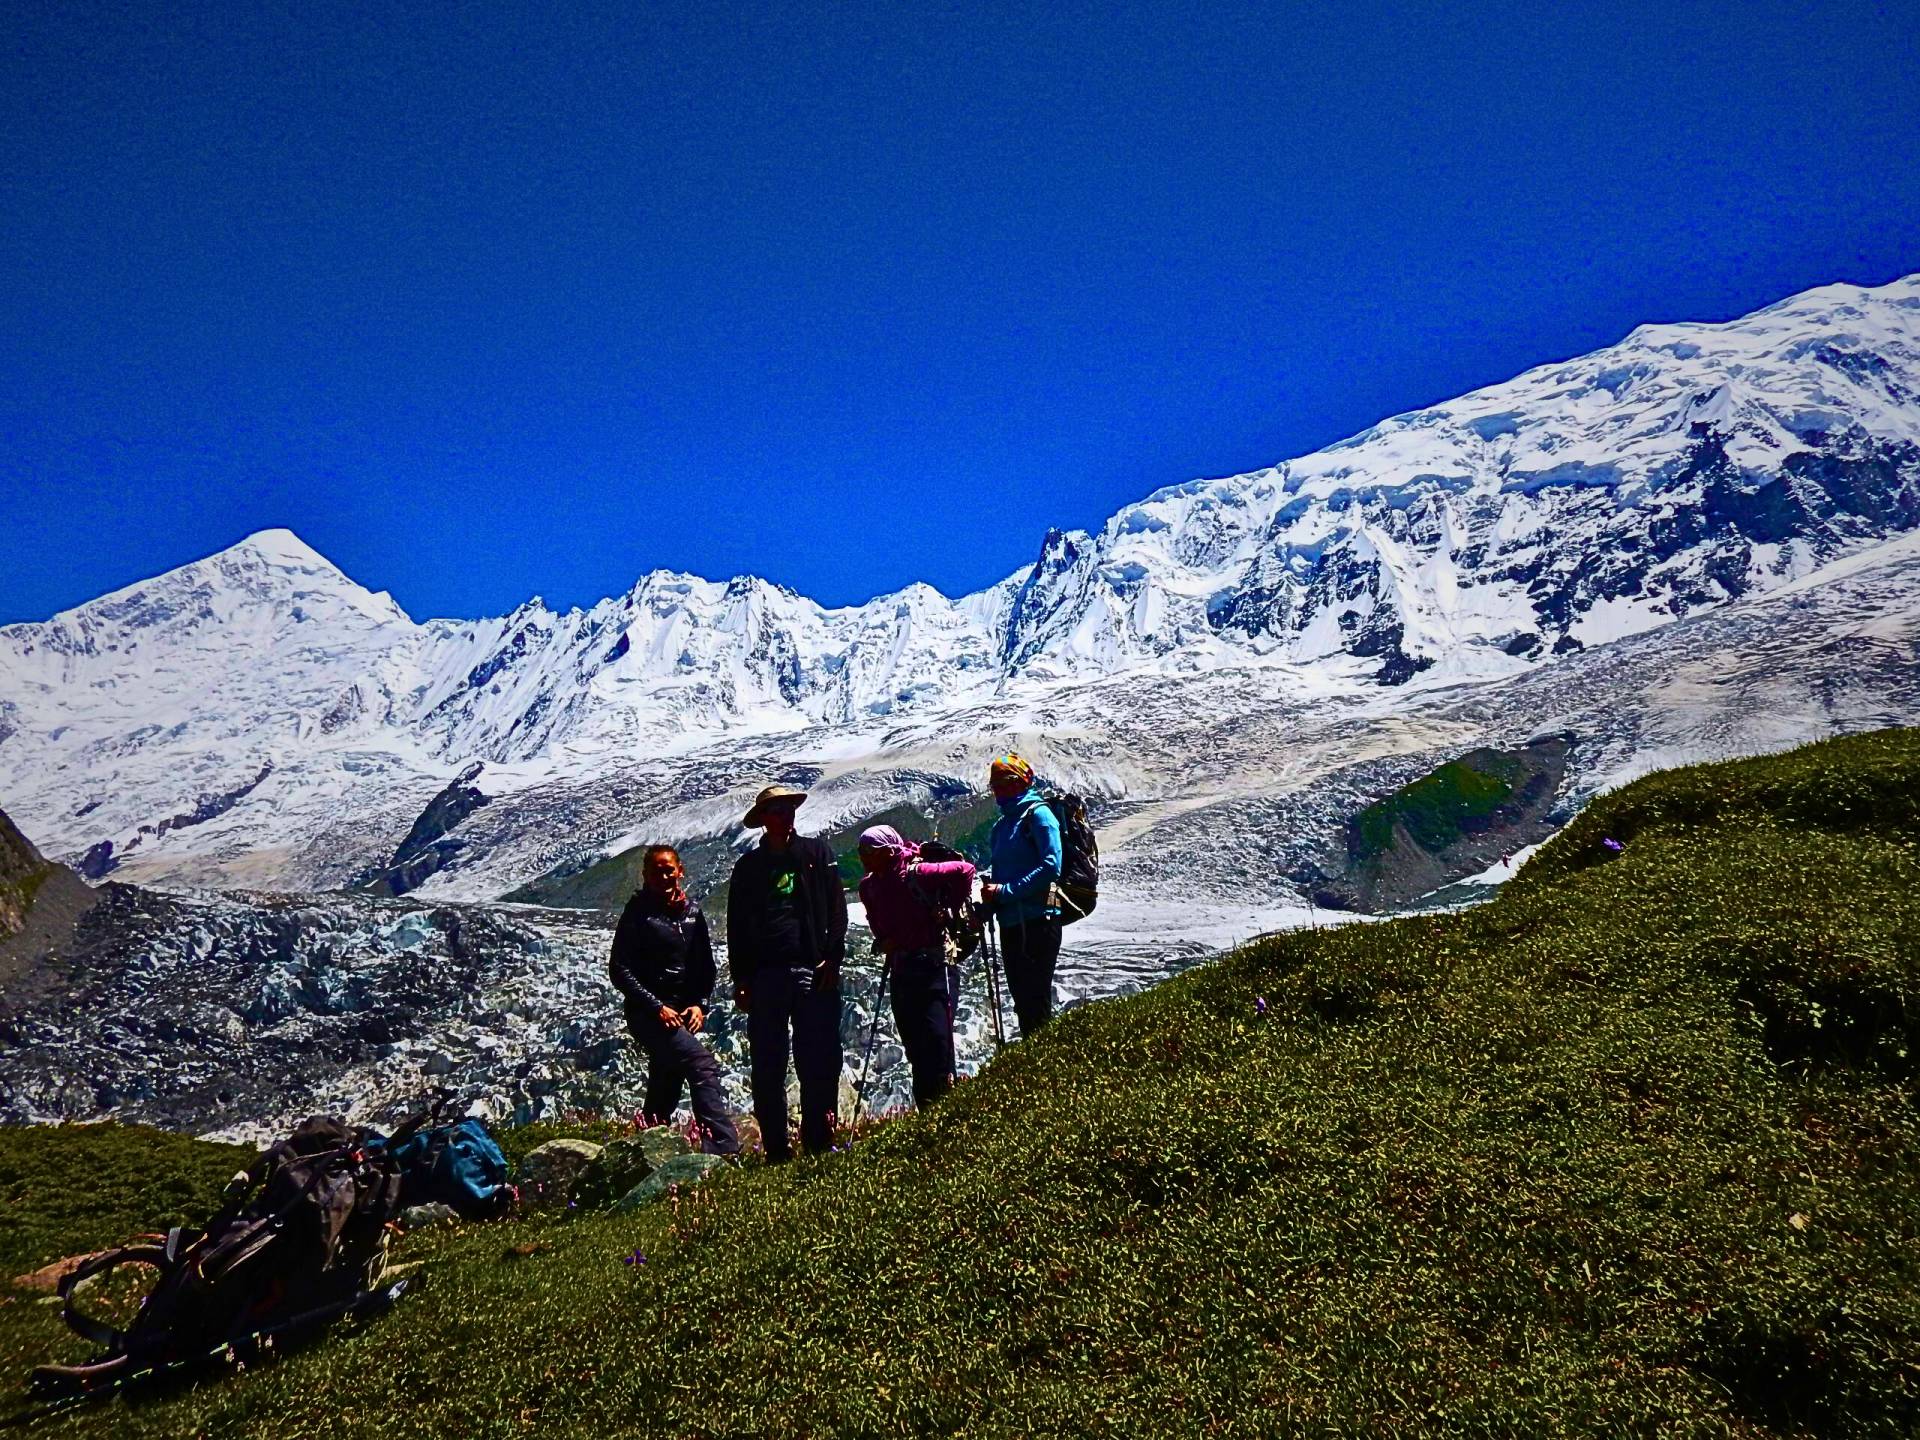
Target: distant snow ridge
1581, 502
1685, 466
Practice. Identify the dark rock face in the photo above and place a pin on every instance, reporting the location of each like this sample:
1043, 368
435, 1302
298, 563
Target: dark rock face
209, 806
426, 848
104, 857
1452, 822
1056, 581
39, 903
22, 870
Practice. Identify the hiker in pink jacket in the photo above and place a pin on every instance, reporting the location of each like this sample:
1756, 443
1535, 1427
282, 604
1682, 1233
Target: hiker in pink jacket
904, 897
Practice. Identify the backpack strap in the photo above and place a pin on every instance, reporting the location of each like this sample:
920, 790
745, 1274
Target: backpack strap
83, 1324
920, 891
1028, 815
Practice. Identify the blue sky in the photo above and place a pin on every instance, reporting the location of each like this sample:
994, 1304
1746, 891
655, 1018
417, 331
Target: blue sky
490, 301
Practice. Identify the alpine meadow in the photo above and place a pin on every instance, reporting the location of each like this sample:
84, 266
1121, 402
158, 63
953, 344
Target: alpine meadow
1630, 1148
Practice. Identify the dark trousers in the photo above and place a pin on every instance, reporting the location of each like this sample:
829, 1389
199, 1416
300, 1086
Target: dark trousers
784, 1002
925, 991
676, 1059
1030, 950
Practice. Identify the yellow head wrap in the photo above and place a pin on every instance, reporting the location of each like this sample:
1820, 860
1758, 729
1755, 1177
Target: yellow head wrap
1010, 767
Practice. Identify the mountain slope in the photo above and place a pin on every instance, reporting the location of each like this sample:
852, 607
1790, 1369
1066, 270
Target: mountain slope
262, 708
1630, 1150
39, 903
1687, 465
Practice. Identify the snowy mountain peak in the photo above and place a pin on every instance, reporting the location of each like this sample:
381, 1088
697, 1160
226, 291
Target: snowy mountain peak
1580, 502
264, 585
283, 547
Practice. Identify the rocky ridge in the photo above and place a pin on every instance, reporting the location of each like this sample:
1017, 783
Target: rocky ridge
39, 904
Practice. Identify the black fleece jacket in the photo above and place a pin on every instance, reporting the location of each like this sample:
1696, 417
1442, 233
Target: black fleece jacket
822, 902
660, 958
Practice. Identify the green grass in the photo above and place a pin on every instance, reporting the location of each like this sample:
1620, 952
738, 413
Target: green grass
1634, 1149
68, 1188
970, 829
1438, 806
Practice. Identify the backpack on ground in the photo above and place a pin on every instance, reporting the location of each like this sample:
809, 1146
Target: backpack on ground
1077, 890
961, 925
458, 1165
300, 1240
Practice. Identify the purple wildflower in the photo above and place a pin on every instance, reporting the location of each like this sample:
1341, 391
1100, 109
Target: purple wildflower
1259, 1004
1612, 844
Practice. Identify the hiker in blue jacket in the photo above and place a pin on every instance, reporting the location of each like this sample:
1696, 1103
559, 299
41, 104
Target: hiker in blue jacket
1027, 856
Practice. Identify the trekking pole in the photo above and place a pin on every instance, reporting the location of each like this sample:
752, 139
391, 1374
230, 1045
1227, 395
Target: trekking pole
860, 1090
988, 935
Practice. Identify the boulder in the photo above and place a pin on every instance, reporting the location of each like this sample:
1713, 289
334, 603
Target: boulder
432, 1213
682, 1170
619, 1167
662, 1142
550, 1173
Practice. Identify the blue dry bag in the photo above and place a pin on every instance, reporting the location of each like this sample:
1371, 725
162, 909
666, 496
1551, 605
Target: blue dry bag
458, 1165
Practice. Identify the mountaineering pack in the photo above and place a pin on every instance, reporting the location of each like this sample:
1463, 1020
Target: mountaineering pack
960, 925
1078, 889
299, 1240
457, 1165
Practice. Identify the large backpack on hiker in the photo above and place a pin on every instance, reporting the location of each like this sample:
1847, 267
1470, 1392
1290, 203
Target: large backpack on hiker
1077, 891
300, 1240
961, 925
458, 1165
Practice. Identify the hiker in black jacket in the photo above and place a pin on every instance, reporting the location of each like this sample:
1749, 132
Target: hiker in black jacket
662, 963
786, 937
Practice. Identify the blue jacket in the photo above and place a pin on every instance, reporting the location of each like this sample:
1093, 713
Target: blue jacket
1026, 858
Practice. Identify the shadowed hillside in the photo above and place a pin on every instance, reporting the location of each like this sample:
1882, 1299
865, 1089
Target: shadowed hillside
39, 901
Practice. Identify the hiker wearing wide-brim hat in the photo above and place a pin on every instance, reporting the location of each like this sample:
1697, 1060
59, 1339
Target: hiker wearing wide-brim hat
786, 938
773, 797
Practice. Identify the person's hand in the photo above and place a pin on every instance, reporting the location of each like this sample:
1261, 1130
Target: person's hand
989, 893
693, 1017
742, 999
669, 1016
826, 977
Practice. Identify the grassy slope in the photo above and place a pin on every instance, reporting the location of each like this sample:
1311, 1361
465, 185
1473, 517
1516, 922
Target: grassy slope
1636, 1145
70, 1188
1436, 807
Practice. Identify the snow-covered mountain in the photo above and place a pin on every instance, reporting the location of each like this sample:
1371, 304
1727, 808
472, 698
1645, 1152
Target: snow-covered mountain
258, 717
1687, 465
